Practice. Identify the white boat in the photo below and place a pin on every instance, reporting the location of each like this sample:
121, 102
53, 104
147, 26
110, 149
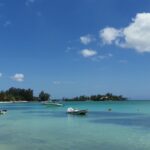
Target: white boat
2, 112
70, 110
51, 103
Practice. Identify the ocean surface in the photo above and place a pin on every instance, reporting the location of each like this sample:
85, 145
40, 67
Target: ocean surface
34, 126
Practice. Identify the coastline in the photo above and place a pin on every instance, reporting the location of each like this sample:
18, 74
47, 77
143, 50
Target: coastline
3, 102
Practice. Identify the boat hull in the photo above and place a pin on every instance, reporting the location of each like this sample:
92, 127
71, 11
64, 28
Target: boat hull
2, 112
79, 112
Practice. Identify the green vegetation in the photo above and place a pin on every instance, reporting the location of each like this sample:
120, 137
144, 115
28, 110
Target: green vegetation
99, 97
44, 96
17, 94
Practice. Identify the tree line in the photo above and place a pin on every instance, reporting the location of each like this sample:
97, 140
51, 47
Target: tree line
99, 97
18, 94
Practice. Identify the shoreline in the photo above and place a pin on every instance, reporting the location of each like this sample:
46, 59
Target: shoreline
3, 102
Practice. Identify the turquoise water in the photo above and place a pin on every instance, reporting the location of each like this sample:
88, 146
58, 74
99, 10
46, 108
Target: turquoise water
37, 127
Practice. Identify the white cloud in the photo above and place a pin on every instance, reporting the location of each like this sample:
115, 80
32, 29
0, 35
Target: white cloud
136, 35
1, 74
109, 34
86, 39
19, 77
88, 52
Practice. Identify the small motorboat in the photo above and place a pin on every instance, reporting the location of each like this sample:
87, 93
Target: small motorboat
51, 103
2, 112
70, 110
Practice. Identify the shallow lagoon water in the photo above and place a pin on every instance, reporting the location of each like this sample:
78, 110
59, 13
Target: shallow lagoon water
38, 127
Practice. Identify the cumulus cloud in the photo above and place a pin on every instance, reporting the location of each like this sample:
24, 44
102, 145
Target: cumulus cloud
136, 35
109, 34
19, 77
88, 53
86, 39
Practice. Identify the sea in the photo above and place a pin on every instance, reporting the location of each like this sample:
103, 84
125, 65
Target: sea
120, 125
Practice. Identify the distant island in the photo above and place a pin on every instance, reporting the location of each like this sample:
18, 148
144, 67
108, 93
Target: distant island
99, 97
18, 95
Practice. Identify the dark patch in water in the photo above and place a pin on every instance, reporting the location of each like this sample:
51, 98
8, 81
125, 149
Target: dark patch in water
143, 122
111, 114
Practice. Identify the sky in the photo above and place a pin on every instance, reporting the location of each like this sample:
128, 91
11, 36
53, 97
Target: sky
76, 47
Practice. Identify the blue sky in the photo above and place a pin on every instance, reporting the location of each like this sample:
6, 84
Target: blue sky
70, 48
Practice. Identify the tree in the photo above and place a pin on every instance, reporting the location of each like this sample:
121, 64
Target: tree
44, 96
19, 94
